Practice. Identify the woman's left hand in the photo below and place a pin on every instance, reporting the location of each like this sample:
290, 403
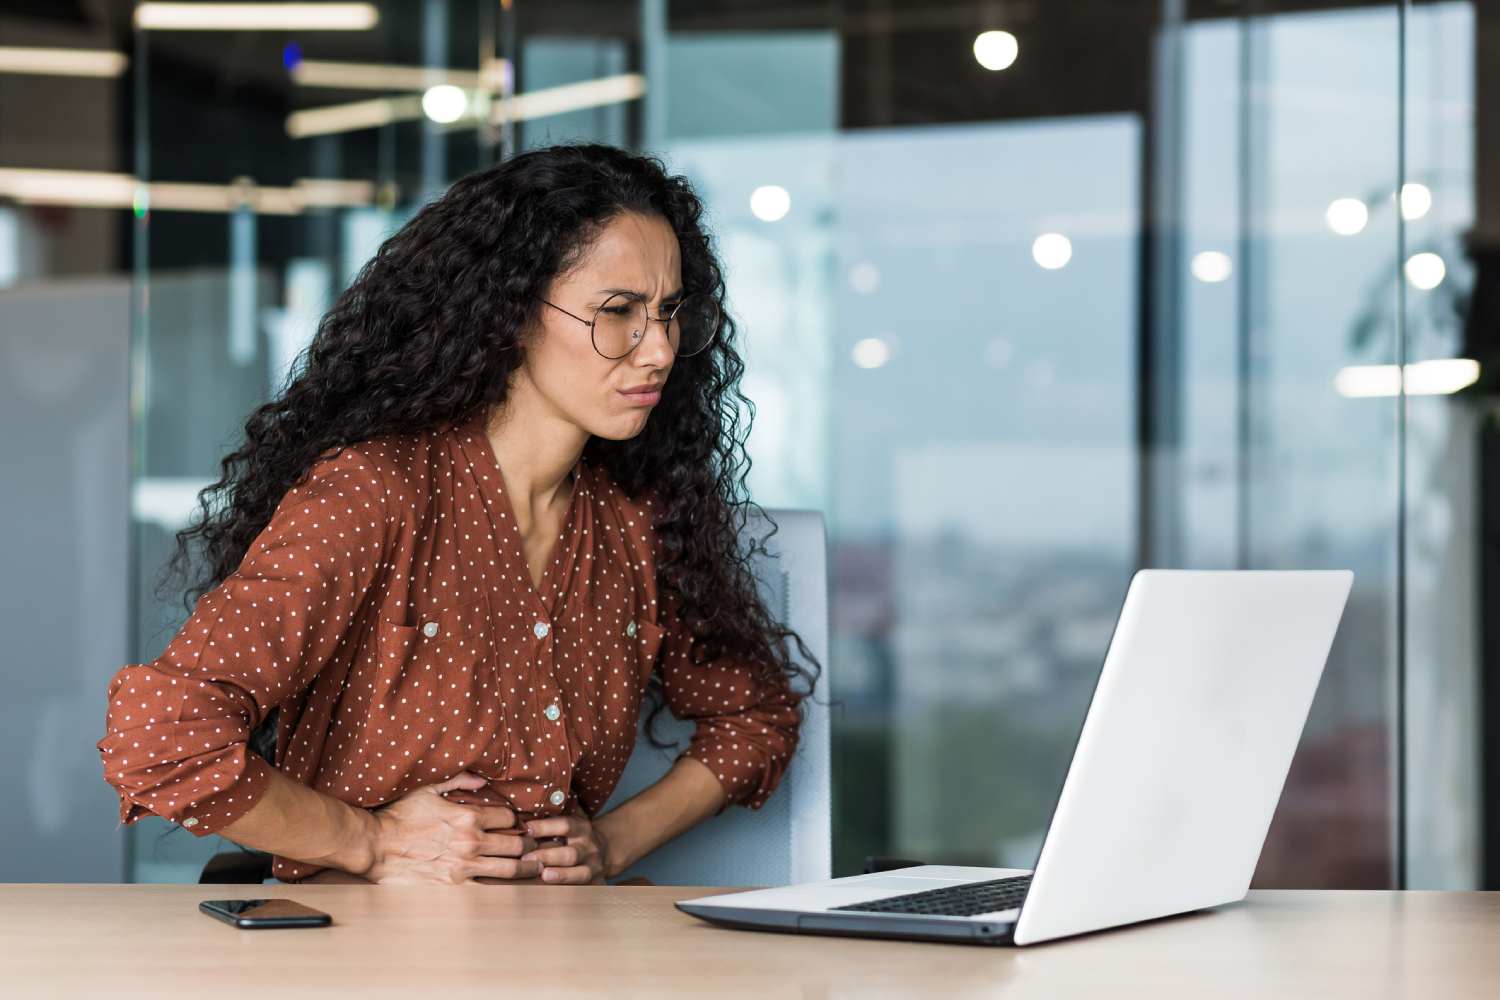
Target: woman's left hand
581, 858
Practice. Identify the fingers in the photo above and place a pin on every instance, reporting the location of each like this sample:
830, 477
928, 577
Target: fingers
568, 864
491, 817
557, 826
574, 862
505, 845
565, 856
577, 875
496, 817
467, 780
503, 868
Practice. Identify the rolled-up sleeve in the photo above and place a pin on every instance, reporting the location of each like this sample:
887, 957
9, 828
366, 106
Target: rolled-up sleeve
746, 722
176, 728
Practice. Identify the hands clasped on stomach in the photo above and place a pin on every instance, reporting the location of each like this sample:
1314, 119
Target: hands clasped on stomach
424, 838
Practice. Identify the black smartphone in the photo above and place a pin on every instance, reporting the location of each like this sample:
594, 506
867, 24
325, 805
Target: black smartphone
252, 914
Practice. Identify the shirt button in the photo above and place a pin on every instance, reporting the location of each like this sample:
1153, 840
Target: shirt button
630, 630
430, 629
552, 712
557, 797
541, 629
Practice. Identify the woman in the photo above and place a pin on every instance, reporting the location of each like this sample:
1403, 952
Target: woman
500, 501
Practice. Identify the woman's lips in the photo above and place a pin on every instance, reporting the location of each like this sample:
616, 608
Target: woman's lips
650, 398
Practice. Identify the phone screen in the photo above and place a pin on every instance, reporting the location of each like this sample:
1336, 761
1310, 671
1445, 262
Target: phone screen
255, 913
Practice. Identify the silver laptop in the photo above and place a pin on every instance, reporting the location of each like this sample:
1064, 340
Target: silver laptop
1178, 768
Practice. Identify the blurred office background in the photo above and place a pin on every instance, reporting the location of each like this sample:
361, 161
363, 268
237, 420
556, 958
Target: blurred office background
1034, 293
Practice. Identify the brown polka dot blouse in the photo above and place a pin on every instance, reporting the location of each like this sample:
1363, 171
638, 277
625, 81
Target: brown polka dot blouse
387, 608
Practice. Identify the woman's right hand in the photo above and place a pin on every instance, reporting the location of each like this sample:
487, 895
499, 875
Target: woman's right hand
422, 837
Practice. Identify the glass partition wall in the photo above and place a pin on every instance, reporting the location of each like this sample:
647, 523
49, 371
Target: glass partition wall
278, 160
1031, 295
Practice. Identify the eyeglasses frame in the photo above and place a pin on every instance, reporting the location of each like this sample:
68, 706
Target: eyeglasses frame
666, 323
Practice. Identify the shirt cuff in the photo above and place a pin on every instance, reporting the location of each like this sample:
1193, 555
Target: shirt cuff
747, 774
236, 795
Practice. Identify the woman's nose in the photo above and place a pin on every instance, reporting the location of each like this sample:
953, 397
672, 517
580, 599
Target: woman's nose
659, 349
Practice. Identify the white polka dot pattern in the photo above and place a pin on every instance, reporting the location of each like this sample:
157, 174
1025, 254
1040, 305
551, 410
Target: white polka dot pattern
388, 609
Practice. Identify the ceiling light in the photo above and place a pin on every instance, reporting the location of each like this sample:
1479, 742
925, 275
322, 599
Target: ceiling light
996, 50
333, 192
569, 97
1052, 251
383, 76
1416, 201
1437, 377
444, 103
872, 352
1212, 266
256, 16
377, 111
1425, 270
62, 62
770, 202
68, 187
101, 189
355, 115
1347, 216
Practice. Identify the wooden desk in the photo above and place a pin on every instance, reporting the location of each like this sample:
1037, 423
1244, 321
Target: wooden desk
533, 941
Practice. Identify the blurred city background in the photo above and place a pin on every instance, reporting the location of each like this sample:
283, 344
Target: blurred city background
1033, 294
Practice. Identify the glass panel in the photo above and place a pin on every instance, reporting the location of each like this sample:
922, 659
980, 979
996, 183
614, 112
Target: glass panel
1289, 120
1000, 493
64, 434
302, 188
896, 308
1110, 257
1444, 461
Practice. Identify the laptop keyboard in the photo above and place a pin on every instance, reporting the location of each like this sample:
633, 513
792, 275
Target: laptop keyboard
964, 900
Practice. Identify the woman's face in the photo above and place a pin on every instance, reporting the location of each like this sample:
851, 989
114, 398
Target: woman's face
636, 253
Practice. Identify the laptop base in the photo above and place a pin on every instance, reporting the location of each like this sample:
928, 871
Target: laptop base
856, 925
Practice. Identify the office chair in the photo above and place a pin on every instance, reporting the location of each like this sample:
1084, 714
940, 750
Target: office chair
789, 839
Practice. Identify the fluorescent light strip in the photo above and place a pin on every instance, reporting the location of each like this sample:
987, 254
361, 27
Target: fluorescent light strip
68, 187
380, 76
569, 97
1423, 378
62, 62
331, 191
379, 111
178, 197
112, 190
335, 118
256, 16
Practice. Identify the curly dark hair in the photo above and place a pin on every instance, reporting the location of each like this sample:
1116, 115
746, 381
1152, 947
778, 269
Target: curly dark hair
431, 330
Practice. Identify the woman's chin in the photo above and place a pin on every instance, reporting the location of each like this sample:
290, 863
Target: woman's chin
622, 428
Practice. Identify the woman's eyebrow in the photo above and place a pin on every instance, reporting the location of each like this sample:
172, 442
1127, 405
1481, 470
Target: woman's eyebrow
638, 294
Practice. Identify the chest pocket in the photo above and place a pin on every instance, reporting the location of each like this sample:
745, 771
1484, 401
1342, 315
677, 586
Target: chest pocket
608, 713
442, 653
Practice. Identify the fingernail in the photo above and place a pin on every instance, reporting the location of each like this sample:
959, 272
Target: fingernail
549, 875
528, 856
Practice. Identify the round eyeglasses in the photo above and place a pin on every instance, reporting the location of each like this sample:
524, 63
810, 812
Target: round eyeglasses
619, 324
